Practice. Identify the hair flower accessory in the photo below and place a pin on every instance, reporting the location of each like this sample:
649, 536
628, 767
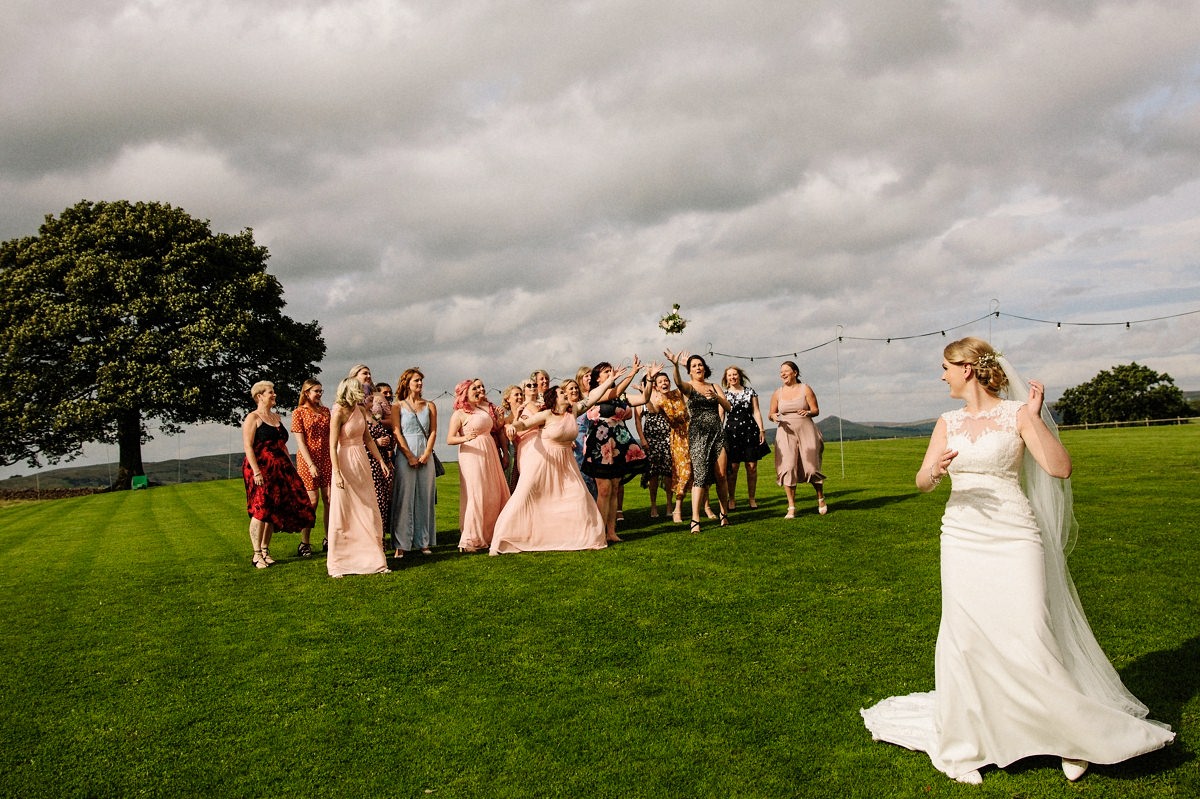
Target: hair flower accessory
673, 323
988, 360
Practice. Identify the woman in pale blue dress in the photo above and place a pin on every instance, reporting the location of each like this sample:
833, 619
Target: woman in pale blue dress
414, 492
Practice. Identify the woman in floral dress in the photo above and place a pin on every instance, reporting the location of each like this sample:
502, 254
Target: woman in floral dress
745, 438
275, 496
611, 454
310, 423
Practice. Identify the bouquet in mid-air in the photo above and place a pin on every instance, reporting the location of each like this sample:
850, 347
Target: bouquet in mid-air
673, 323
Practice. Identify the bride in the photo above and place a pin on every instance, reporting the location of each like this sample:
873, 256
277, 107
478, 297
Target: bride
1017, 671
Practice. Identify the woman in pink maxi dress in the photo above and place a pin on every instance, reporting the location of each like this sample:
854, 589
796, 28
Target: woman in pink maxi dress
798, 442
551, 508
483, 490
355, 524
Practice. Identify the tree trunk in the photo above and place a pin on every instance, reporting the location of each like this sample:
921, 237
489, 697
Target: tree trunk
129, 443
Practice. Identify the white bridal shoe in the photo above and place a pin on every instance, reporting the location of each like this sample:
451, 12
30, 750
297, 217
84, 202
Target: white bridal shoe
1074, 769
970, 778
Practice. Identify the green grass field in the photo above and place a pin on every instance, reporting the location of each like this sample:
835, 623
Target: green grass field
141, 655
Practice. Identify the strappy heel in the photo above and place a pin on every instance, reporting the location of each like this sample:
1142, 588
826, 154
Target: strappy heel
822, 508
258, 562
791, 514
724, 519
266, 557
694, 527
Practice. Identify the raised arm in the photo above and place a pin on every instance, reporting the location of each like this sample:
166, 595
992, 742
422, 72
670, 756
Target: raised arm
675, 358
1043, 445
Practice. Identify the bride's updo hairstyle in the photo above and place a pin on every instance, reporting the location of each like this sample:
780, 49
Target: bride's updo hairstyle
982, 358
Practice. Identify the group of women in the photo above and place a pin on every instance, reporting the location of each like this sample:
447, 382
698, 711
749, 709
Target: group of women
1018, 671
372, 445
368, 460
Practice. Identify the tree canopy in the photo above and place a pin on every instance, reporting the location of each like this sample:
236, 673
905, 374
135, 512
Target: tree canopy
1124, 393
116, 313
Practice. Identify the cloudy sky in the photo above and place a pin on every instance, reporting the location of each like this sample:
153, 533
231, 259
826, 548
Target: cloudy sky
486, 187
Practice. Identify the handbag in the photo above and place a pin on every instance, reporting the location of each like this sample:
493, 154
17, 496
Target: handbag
438, 468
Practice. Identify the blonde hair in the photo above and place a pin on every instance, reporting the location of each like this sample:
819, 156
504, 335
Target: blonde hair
982, 358
349, 392
260, 387
508, 393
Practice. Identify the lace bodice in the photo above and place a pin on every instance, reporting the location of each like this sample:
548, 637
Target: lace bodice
988, 442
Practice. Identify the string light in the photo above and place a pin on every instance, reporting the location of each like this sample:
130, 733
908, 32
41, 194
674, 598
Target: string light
990, 314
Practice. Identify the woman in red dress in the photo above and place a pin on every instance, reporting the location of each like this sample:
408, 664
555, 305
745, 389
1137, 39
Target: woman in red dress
275, 496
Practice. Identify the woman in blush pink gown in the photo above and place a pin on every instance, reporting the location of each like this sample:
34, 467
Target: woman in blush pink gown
482, 487
551, 508
355, 524
798, 441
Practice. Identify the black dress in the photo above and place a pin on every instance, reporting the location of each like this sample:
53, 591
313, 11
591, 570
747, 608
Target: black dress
741, 431
705, 437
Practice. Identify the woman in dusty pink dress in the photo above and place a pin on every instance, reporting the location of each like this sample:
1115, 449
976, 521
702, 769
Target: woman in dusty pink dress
798, 442
482, 487
551, 508
355, 524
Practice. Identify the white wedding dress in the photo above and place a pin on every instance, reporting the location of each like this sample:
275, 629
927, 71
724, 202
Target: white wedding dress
1017, 670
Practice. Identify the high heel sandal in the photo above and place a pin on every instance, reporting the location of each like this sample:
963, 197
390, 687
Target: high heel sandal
724, 519
399, 553
753, 504
791, 514
257, 561
677, 516
266, 556
304, 550
822, 508
694, 527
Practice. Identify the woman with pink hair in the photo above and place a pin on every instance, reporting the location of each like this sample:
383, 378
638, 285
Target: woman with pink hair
482, 487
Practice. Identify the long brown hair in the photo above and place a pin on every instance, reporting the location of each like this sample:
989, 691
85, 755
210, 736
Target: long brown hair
303, 401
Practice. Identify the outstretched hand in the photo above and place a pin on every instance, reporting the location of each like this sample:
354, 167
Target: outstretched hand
670, 356
1037, 394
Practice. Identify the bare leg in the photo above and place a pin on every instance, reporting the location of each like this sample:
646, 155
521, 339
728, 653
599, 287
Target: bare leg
731, 474
751, 482
606, 501
256, 531
791, 498
822, 508
652, 485
723, 496
267, 531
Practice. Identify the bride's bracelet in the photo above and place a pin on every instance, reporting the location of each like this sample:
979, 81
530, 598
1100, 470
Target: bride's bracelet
934, 480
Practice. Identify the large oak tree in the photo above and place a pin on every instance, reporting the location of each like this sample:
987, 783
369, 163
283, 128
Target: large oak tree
116, 313
1124, 393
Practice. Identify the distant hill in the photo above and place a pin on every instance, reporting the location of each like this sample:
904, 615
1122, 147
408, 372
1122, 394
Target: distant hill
188, 470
